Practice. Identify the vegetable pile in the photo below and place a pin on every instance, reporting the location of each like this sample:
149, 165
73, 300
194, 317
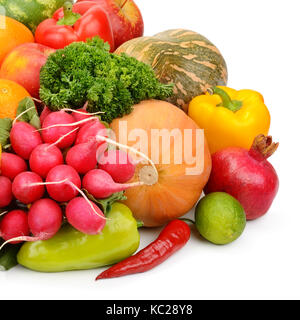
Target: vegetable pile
110, 83
74, 186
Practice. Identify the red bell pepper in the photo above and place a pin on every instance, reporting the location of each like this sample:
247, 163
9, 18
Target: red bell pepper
74, 23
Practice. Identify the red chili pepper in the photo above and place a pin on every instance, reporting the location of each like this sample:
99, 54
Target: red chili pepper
175, 235
73, 23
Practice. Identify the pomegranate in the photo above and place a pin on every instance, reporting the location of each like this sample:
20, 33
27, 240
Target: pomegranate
246, 175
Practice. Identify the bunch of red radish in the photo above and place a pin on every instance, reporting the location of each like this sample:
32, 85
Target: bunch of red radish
54, 180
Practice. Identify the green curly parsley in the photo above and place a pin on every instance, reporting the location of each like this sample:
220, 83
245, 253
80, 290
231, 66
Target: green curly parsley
110, 83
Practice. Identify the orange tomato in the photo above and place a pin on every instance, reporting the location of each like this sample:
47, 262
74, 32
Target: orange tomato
11, 94
12, 34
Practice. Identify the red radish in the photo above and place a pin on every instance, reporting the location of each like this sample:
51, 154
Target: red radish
6, 195
44, 158
101, 185
12, 165
27, 187
83, 157
46, 111
247, 176
57, 125
13, 225
44, 219
80, 115
58, 183
24, 138
83, 218
90, 130
118, 164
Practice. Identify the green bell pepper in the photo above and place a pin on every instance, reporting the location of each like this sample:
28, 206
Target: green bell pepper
70, 249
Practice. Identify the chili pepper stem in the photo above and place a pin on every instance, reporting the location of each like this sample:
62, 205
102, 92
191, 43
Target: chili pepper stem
232, 105
188, 220
140, 224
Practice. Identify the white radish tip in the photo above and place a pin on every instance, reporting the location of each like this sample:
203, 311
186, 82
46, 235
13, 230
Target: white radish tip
3, 213
23, 238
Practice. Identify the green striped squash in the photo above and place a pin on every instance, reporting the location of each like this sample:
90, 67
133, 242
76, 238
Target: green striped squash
182, 57
31, 12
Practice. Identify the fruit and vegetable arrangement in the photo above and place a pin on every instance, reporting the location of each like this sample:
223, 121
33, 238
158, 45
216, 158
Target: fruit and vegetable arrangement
104, 131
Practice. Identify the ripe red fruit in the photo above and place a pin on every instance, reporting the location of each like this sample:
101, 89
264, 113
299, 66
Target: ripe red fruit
247, 176
118, 164
6, 195
23, 187
14, 224
12, 165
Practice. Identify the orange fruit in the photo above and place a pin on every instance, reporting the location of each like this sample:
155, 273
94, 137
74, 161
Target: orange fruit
11, 94
12, 34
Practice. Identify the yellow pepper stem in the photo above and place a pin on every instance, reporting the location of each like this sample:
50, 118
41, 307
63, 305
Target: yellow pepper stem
233, 105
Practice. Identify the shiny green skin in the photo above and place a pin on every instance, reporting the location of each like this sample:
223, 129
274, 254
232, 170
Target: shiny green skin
220, 218
72, 250
31, 12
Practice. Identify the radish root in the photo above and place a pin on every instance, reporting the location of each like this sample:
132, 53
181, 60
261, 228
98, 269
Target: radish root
22, 238
122, 146
85, 198
69, 124
83, 113
73, 186
21, 114
3, 213
61, 138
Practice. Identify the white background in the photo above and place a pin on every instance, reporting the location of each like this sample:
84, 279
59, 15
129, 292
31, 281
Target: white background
260, 42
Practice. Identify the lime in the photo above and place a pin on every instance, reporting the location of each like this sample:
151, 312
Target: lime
220, 218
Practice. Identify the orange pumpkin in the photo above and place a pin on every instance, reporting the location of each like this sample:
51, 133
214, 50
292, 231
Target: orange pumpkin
178, 186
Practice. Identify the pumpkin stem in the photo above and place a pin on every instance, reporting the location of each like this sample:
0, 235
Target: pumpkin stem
70, 17
232, 105
263, 147
148, 175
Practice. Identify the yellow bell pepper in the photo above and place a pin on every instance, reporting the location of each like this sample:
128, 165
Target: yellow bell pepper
230, 118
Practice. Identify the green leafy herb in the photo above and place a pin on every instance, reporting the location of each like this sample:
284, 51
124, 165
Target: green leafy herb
8, 257
106, 204
110, 83
29, 113
5, 127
